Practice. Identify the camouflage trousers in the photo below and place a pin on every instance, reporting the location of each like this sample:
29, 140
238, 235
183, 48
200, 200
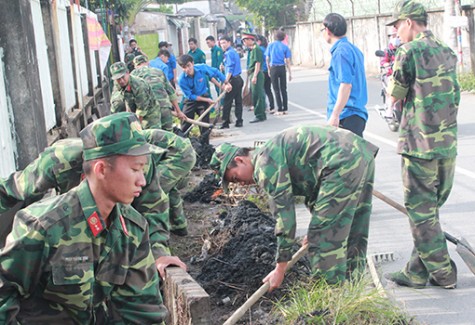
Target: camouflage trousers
338, 230
177, 214
427, 185
167, 119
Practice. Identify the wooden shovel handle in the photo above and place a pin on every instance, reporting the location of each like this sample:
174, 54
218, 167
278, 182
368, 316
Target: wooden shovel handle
262, 290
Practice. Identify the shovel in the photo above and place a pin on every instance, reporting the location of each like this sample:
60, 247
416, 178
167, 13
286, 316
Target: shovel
463, 248
185, 133
262, 290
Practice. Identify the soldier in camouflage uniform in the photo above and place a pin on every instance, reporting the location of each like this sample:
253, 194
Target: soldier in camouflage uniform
84, 257
162, 89
424, 77
334, 170
59, 167
133, 94
175, 167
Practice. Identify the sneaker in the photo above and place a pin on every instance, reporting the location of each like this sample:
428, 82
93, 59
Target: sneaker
453, 285
224, 126
238, 124
403, 280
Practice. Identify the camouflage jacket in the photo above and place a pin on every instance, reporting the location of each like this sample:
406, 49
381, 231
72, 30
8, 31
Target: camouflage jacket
295, 162
60, 167
161, 87
179, 160
425, 77
137, 97
61, 265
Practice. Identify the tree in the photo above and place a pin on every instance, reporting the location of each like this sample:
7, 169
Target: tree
275, 13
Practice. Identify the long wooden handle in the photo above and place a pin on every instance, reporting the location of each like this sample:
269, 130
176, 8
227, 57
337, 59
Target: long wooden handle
399, 207
262, 290
211, 106
199, 123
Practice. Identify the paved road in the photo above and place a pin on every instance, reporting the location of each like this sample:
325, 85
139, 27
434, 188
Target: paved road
389, 230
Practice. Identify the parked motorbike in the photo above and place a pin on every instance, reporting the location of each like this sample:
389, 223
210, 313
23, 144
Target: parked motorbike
392, 115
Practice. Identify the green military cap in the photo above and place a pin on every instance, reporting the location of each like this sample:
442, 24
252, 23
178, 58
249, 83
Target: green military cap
408, 9
138, 60
118, 70
223, 155
116, 134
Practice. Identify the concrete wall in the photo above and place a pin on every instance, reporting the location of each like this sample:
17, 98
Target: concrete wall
369, 33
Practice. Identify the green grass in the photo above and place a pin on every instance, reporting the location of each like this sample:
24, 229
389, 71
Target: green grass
467, 81
356, 302
148, 43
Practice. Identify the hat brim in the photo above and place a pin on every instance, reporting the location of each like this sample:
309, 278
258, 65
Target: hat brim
392, 22
118, 76
145, 149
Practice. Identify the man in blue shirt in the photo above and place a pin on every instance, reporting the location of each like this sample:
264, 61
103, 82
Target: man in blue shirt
262, 42
194, 82
172, 77
232, 68
195, 52
277, 58
347, 91
160, 62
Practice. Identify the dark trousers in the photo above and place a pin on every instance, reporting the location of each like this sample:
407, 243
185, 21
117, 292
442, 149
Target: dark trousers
192, 107
279, 84
236, 95
353, 123
267, 89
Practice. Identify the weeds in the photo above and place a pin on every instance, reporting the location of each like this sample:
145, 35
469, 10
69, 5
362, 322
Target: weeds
356, 302
467, 81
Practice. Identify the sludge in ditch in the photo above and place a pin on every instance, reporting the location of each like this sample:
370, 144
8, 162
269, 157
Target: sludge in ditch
245, 254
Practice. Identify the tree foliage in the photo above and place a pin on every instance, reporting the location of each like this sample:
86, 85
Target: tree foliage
123, 8
275, 13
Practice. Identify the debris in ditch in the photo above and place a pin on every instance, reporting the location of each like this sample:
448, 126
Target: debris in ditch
204, 191
246, 248
204, 152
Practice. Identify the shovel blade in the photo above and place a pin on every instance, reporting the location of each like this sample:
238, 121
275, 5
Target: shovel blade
467, 254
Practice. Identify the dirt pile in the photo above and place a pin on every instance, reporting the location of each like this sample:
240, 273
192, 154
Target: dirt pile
245, 254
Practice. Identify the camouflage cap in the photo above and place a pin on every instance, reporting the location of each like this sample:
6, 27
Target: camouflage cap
116, 134
118, 70
223, 155
138, 60
408, 9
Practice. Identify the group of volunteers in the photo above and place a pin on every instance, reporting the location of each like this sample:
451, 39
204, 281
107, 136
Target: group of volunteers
96, 252
333, 166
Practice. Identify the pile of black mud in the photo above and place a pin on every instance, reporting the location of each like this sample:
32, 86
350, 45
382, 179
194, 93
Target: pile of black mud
204, 191
204, 152
247, 255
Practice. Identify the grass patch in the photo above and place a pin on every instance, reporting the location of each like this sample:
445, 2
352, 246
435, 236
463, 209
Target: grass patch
356, 302
148, 43
467, 81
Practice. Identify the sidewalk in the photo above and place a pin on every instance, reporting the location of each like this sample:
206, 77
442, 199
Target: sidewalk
389, 230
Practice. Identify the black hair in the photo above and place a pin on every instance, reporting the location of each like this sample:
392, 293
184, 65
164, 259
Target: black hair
242, 152
210, 38
336, 24
192, 39
132, 40
263, 40
164, 52
88, 164
184, 59
162, 44
226, 38
280, 35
